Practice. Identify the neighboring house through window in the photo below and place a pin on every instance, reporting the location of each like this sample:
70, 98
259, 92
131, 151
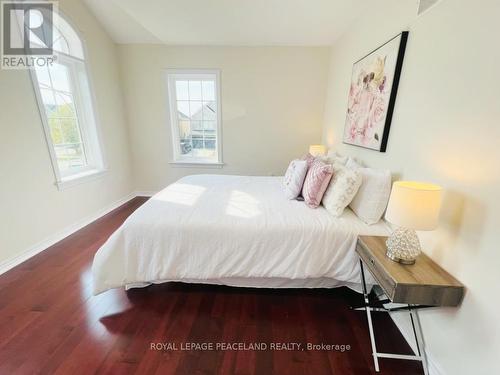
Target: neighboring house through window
66, 106
194, 101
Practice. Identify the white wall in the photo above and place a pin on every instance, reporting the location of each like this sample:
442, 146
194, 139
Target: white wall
272, 106
32, 208
445, 130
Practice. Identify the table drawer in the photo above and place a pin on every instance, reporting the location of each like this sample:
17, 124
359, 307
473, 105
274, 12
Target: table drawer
376, 269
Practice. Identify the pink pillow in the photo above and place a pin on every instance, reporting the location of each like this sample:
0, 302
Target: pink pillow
317, 179
309, 159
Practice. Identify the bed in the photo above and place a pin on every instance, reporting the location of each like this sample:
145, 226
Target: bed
232, 230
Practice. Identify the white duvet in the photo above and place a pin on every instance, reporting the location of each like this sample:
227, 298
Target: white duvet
233, 230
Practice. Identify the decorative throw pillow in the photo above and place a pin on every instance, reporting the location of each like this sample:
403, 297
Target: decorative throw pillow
334, 157
342, 189
309, 158
294, 178
352, 164
317, 179
371, 200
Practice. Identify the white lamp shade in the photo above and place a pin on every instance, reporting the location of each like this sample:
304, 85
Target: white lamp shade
414, 205
317, 150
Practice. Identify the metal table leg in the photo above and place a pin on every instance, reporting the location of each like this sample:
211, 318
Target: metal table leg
369, 317
419, 338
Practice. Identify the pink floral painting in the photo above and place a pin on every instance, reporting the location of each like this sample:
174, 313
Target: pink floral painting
372, 95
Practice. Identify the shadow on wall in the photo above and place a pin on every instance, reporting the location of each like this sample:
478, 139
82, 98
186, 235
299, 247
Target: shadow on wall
462, 218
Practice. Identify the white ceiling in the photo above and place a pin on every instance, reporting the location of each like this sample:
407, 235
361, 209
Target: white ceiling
228, 22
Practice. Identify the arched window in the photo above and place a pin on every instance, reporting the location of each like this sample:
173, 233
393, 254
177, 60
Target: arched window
66, 106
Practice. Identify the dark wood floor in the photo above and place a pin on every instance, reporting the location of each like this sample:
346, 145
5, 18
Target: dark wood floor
51, 323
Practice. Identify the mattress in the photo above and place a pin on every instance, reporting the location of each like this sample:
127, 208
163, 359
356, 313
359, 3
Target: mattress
232, 230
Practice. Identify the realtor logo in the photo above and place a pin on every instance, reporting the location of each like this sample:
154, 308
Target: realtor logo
27, 33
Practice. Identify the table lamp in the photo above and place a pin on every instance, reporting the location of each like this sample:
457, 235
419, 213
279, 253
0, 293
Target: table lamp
317, 150
412, 206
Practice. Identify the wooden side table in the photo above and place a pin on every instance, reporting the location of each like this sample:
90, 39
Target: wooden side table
423, 284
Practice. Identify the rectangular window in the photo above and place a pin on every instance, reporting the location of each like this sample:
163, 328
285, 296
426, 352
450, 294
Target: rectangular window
194, 101
66, 105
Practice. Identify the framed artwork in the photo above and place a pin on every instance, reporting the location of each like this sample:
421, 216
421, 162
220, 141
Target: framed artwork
372, 94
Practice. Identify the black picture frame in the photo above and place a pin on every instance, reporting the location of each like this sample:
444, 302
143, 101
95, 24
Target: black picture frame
393, 94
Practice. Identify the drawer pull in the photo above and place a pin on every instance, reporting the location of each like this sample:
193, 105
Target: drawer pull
372, 261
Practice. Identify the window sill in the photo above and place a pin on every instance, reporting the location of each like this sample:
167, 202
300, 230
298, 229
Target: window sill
196, 164
80, 178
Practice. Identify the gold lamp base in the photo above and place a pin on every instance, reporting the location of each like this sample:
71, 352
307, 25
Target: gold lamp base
403, 246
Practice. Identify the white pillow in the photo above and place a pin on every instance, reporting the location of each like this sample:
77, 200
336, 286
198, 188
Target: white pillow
371, 199
343, 187
334, 157
351, 163
294, 178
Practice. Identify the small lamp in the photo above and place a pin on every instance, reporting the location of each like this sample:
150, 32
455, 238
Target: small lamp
317, 150
412, 206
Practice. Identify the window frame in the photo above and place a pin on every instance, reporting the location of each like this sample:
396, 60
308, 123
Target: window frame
171, 76
86, 116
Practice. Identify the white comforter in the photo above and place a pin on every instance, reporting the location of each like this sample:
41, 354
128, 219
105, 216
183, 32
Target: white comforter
234, 230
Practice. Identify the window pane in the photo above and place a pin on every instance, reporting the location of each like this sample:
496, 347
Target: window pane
186, 146
55, 131
69, 156
196, 126
48, 100
184, 129
194, 90
181, 90
42, 75
67, 144
204, 153
197, 143
208, 90
195, 110
210, 126
60, 43
66, 40
183, 110
185, 136
69, 131
60, 77
210, 144
209, 111
64, 105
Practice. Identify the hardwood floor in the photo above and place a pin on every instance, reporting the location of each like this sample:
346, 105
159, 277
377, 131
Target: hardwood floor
51, 323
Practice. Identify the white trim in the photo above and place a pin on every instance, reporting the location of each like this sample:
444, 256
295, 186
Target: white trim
45, 125
80, 178
195, 164
53, 239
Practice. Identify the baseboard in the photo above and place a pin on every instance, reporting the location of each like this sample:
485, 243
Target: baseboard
41, 246
402, 321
